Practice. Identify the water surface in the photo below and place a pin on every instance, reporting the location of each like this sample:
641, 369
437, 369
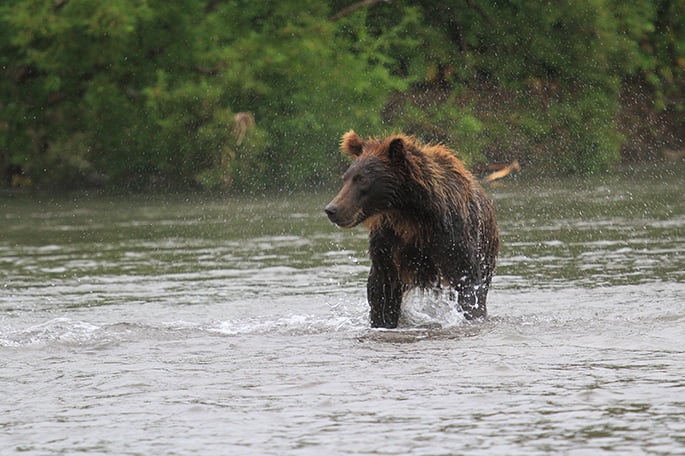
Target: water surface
198, 325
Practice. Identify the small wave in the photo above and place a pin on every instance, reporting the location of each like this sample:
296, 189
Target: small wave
421, 311
64, 330
288, 325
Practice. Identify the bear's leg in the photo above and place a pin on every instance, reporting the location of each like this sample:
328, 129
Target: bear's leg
472, 300
385, 297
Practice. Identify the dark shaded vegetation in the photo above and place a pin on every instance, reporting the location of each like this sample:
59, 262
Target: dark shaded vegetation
250, 95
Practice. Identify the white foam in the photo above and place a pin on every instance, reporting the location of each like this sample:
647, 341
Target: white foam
287, 325
63, 330
431, 309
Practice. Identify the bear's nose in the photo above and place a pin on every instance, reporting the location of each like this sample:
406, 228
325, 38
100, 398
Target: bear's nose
331, 211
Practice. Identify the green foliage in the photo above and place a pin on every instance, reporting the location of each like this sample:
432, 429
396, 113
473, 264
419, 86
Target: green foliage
441, 121
252, 95
543, 80
145, 93
663, 55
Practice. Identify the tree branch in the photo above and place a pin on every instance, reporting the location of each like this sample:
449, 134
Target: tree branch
352, 8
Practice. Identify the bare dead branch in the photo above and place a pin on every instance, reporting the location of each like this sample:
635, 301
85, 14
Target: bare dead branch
503, 172
354, 7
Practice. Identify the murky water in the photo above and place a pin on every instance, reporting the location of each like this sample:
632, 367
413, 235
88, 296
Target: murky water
205, 326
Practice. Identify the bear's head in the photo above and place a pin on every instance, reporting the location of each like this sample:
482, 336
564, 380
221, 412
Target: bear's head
373, 182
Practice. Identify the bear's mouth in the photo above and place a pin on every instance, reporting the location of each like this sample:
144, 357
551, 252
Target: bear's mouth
351, 224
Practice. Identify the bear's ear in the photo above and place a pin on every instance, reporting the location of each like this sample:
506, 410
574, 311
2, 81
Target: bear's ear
352, 144
396, 150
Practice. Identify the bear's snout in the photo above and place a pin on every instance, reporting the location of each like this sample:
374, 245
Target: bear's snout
340, 216
332, 212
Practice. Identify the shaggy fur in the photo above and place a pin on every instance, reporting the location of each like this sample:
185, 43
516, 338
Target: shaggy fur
430, 223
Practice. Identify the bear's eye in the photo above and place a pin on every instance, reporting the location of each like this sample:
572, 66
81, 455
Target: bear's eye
359, 179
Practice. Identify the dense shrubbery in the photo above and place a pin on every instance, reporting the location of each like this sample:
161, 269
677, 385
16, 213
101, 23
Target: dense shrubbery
248, 95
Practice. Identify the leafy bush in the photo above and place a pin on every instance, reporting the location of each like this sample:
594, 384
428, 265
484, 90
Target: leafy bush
144, 93
130, 93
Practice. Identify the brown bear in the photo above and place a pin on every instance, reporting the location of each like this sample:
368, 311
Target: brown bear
430, 223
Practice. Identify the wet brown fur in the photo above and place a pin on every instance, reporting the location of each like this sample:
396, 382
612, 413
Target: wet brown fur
431, 166
430, 223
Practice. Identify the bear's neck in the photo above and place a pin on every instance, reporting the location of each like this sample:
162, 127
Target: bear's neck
421, 213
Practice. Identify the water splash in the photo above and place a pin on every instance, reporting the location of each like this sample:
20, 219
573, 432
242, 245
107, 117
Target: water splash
61, 330
287, 325
421, 311
66, 331
435, 309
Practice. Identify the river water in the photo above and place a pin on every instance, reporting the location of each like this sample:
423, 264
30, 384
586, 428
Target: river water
190, 325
